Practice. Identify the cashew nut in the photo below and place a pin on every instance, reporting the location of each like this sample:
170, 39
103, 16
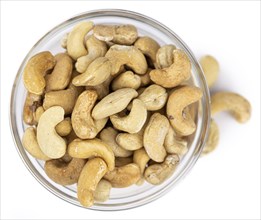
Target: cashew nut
178, 100
35, 71
64, 173
154, 97
126, 80
51, 144
148, 47
133, 122
64, 41
64, 127
154, 136
102, 191
123, 34
122, 161
61, 74
213, 138
32, 102
96, 48
82, 122
164, 56
113, 103
108, 135
174, 144
130, 141
88, 148
141, 158
234, 103
38, 113
97, 72
123, 176
145, 78
75, 40
127, 55
175, 74
158, 173
210, 68
91, 174
31, 145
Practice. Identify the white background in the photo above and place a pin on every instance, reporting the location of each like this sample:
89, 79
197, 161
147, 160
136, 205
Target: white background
223, 185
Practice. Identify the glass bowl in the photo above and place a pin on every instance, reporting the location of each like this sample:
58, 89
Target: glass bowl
133, 196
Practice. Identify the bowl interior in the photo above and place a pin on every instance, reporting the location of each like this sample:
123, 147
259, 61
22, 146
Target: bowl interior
135, 195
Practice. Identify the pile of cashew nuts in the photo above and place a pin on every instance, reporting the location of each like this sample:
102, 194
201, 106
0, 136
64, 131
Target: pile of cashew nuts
115, 109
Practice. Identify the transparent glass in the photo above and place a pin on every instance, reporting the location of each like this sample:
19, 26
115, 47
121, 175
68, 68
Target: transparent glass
133, 196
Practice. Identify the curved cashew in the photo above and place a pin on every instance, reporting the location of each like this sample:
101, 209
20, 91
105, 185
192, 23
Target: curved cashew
64, 127
236, 104
88, 148
126, 80
123, 176
75, 40
35, 71
174, 75
145, 78
154, 136
148, 47
61, 74
154, 97
130, 141
174, 144
113, 103
164, 56
108, 135
32, 102
213, 138
210, 68
158, 173
127, 55
102, 191
64, 173
82, 122
51, 144
141, 158
122, 161
30, 144
97, 72
122, 34
178, 100
133, 122
91, 174
96, 48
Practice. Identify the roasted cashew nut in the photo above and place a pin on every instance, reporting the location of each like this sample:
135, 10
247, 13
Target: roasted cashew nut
91, 174
177, 102
123, 176
82, 122
141, 158
96, 48
210, 68
75, 40
31, 145
130, 141
32, 102
122, 34
35, 70
64, 173
122, 161
154, 136
174, 75
64, 127
127, 55
113, 103
145, 78
126, 80
234, 103
108, 135
102, 191
164, 56
51, 144
88, 148
133, 122
157, 173
38, 113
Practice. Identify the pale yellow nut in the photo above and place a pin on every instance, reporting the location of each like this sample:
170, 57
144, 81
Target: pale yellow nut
126, 80
237, 105
92, 148
91, 174
32, 102
164, 56
145, 78
210, 68
64, 127
130, 141
31, 145
38, 113
51, 144
141, 158
102, 191
122, 161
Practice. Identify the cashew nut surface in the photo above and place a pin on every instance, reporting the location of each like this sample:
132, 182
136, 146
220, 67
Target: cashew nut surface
91, 174
130, 141
210, 68
38, 113
32, 102
141, 158
64, 127
126, 80
234, 103
145, 78
164, 56
88, 148
51, 144
122, 161
177, 101
102, 191
175, 74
